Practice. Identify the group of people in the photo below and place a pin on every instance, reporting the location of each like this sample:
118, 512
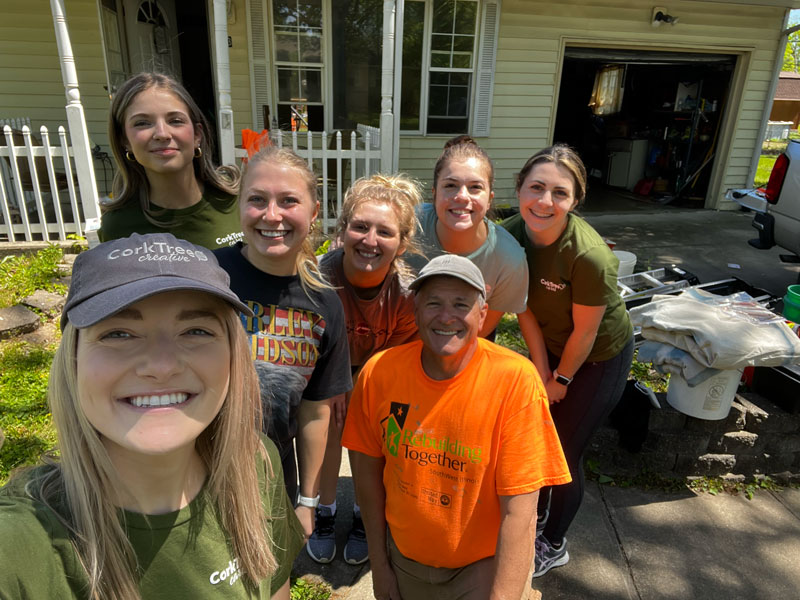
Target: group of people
204, 385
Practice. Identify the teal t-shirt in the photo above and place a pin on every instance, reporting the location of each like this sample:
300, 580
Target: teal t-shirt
213, 222
578, 268
500, 259
183, 554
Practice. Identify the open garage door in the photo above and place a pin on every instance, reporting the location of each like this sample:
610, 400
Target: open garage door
647, 123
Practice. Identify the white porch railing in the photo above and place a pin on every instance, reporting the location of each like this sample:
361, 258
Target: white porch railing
338, 166
38, 191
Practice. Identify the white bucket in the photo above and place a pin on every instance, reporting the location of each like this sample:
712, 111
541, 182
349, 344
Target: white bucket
627, 262
710, 400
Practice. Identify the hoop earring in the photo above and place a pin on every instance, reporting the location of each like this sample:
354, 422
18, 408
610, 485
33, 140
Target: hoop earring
130, 156
198, 152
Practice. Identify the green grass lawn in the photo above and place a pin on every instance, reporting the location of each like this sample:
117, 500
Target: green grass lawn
24, 415
765, 164
24, 274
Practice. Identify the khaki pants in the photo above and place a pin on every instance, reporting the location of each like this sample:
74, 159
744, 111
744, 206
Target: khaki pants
421, 582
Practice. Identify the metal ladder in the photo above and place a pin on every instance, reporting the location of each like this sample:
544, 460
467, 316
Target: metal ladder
638, 288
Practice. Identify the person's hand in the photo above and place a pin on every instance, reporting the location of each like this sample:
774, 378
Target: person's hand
555, 391
305, 515
339, 411
384, 582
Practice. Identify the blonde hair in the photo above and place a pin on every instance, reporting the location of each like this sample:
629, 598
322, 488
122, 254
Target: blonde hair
130, 180
86, 478
398, 191
306, 262
560, 155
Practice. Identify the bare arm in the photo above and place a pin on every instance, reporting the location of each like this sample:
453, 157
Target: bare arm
312, 437
368, 479
514, 553
282, 593
585, 322
492, 319
534, 339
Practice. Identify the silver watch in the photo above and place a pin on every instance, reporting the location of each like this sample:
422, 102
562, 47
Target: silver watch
308, 502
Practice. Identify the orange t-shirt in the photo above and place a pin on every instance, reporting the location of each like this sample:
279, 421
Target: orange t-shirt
452, 447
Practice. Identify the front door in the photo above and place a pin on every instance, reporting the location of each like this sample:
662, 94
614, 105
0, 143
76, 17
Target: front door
153, 36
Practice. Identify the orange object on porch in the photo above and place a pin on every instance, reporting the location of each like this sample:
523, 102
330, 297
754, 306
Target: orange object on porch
253, 141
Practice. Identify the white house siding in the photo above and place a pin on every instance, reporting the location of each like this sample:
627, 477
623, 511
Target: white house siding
531, 41
240, 70
30, 71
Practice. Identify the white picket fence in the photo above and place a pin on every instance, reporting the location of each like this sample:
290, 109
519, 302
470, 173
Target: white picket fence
38, 192
336, 167
39, 195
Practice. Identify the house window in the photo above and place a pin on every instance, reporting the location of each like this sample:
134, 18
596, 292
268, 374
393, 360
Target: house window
298, 39
439, 49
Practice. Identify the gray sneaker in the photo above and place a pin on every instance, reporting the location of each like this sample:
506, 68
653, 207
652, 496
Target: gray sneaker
321, 546
355, 550
548, 556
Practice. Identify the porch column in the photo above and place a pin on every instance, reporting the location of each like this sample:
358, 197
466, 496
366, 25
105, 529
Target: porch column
387, 81
76, 122
223, 71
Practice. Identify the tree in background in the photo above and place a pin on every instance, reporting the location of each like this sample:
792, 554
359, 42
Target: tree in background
791, 56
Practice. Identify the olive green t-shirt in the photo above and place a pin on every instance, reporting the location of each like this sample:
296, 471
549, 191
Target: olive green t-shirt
578, 268
213, 222
182, 554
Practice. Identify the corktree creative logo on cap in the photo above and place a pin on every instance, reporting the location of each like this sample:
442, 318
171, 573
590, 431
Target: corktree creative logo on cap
158, 251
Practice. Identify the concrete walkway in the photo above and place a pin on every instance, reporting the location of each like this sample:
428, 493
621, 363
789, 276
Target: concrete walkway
639, 545
630, 544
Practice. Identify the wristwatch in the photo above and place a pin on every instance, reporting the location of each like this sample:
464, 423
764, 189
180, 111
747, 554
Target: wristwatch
562, 379
308, 502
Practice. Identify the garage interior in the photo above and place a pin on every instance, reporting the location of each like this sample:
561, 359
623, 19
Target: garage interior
655, 146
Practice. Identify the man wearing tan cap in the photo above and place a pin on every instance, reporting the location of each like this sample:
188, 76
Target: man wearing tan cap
452, 439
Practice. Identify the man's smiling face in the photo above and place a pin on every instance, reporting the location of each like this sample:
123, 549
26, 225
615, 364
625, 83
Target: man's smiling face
449, 313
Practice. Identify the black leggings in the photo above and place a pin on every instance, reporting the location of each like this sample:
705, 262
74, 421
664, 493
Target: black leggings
593, 393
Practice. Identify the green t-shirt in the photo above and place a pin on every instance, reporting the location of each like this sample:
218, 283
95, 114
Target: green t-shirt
578, 268
183, 554
213, 222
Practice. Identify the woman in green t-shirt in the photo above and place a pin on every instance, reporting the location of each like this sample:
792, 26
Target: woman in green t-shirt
166, 180
163, 487
573, 298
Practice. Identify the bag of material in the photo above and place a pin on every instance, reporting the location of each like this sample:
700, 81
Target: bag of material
719, 332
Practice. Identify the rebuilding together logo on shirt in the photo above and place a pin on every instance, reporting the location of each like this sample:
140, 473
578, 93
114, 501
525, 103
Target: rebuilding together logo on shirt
423, 448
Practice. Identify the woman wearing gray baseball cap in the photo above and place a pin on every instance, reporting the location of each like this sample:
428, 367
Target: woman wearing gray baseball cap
164, 487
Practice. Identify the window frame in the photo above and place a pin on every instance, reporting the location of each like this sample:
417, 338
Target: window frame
323, 67
428, 69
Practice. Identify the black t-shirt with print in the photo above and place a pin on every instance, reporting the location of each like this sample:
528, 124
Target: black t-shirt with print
298, 341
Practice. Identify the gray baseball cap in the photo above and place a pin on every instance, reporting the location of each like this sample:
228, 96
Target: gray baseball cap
116, 274
452, 265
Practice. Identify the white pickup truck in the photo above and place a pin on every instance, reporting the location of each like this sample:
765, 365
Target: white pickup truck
777, 207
